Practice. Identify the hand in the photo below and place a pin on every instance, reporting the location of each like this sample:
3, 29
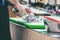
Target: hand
21, 10
19, 7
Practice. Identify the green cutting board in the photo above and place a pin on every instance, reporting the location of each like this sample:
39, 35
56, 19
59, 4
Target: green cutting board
28, 25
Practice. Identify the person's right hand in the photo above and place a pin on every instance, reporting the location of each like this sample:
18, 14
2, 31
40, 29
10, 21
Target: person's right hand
20, 9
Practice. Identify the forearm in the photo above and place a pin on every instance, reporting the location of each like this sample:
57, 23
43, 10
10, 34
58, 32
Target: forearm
15, 2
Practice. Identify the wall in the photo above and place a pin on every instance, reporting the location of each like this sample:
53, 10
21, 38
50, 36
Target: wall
52, 2
42, 1
58, 1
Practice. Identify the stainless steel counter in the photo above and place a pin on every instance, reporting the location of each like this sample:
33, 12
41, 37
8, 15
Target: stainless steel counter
55, 35
21, 33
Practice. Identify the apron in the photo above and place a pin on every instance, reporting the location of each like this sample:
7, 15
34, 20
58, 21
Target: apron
4, 21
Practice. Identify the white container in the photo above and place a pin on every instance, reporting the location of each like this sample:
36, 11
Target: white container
53, 23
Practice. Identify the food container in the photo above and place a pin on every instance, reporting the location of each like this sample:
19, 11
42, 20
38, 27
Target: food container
53, 23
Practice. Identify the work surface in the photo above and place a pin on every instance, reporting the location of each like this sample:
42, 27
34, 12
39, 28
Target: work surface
30, 34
